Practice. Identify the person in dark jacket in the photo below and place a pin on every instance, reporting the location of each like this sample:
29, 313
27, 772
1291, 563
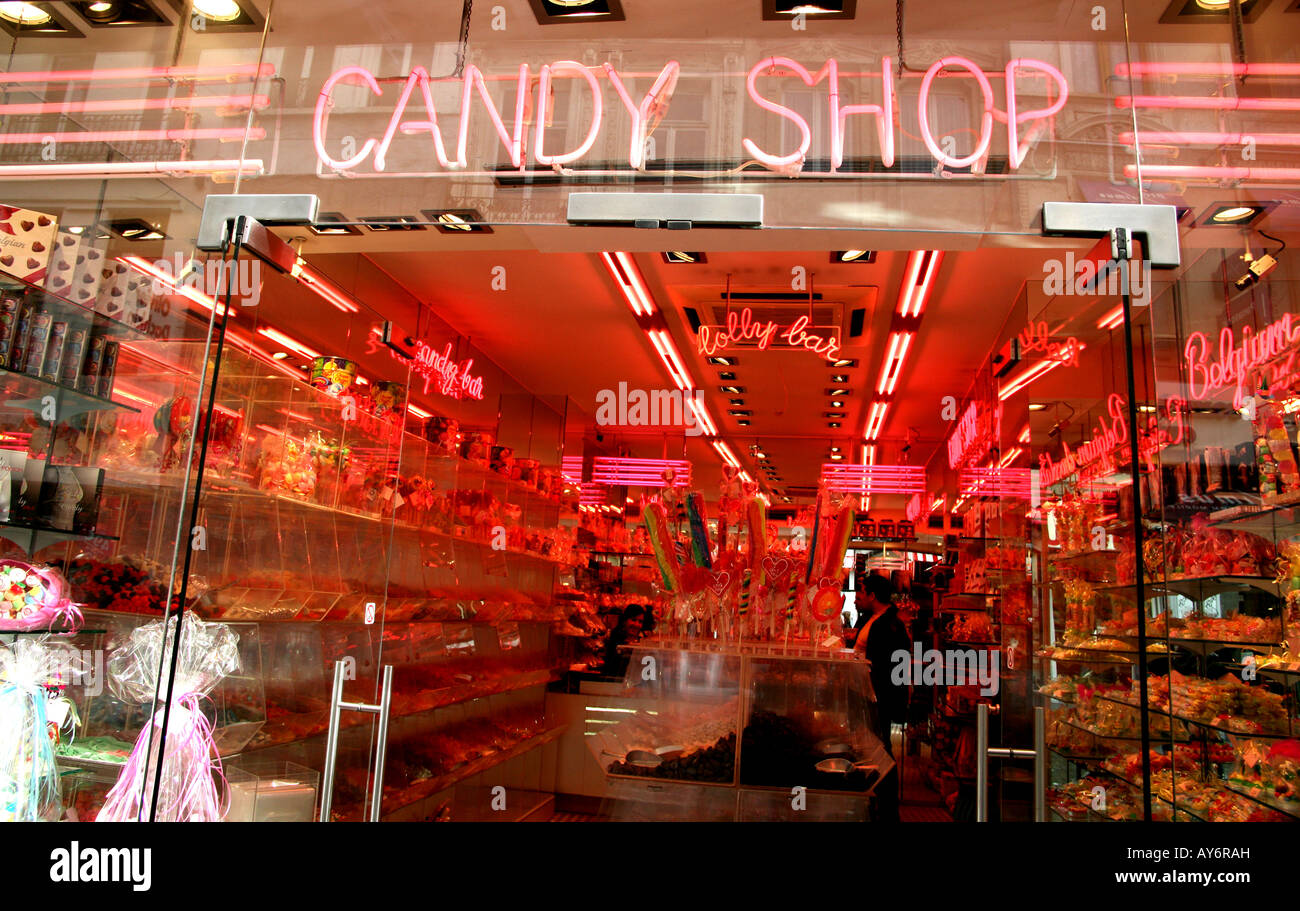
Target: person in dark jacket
881, 634
628, 630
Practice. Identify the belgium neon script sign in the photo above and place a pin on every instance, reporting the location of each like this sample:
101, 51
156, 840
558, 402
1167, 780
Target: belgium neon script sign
414, 114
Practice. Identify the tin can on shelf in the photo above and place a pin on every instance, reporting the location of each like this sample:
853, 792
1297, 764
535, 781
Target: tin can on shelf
387, 397
333, 374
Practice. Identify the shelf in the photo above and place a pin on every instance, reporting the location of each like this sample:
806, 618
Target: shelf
211, 490
1265, 799
1275, 521
428, 787
68, 401
1196, 589
445, 697
1132, 738
67, 308
32, 538
1209, 725
1074, 757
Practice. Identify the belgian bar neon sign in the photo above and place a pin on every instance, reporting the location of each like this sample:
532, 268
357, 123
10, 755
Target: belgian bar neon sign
652, 106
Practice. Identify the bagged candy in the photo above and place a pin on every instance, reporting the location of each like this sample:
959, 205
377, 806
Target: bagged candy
188, 789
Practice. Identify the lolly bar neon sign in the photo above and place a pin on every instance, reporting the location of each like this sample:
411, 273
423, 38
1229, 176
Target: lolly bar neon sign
438, 369
742, 328
651, 107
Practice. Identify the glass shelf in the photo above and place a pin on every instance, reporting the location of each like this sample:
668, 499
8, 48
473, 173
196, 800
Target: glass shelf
68, 402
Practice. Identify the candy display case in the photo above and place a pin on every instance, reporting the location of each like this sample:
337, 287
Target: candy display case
714, 733
1213, 736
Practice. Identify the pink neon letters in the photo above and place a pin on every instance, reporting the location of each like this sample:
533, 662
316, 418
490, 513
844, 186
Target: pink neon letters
653, 105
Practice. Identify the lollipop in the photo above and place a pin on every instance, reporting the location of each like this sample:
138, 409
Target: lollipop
837, 544
816, 534
756, 524
656, 524
699, 530
826, 603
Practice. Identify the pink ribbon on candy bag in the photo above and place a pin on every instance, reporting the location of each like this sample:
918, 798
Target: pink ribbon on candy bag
191, 767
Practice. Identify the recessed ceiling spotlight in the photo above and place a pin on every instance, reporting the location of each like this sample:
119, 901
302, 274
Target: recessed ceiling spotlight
833, 424
457, 221
853, 256
280, 355
324, 224
835, 449
25, 14
135, 229
683, 256
392, 223
840, 378
837, 404
835, 414
726, 375
740, 413
1037, 406
836, 456
842, 362
837, 392
218, 10
1234, 215
737, 401
550, 12
724, 361
733, 390
742, 422
784, 10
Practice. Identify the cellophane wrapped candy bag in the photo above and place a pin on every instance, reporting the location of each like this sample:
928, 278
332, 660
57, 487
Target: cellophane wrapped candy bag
33, 710
188, 790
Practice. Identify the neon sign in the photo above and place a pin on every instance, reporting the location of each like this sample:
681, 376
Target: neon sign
742, 328
438, 369
652, 106
976, 423
1236, 361
1096, 456
1035, 337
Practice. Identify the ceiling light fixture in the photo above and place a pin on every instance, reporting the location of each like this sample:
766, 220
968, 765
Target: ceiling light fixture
921, 268
840, 378
683, 257
876, 420
457, 221
628, 277
1112, 319
853, 256
725, 451
842, 362
672, 360
24, 14
169, 281
1235, 215
316, 283
287, 341
833, 424
218, 10
899, 342
724, 361
733, 390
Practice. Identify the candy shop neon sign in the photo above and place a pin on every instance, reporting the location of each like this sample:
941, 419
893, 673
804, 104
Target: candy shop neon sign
652, 106
742, 328
438, 369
